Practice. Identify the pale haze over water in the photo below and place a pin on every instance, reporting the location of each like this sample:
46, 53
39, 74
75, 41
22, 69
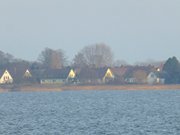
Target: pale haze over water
136, 30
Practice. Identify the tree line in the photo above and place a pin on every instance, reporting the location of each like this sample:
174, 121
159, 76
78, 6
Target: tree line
92, 56
99, 55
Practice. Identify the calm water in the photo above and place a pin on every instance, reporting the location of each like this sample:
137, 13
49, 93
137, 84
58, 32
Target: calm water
90, 113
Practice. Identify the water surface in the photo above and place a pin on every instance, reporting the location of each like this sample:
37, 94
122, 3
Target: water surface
90, 113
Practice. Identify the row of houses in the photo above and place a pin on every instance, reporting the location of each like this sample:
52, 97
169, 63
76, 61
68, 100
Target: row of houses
7, 77
106, 75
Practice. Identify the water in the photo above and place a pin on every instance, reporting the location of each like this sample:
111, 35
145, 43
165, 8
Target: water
90, 113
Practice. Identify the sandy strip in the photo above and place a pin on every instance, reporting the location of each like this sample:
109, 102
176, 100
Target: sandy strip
35, 88
123, 87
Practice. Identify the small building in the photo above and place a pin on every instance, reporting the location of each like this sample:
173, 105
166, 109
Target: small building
58, 76
21, 75
152, 78
6, 78
95, 75
28, 77
71, 76
137, 74
108, 76
16, 74
27, 74
155, 78
119, 74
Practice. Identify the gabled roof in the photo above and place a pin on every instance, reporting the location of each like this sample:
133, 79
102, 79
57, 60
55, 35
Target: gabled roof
10, 70
17, 73
56, 73
3, 71
158, 74
6, 77
119, 71
71, 74
132, 69
27, 74
92, 73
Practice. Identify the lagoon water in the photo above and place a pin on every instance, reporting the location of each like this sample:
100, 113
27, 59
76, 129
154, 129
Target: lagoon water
90, 113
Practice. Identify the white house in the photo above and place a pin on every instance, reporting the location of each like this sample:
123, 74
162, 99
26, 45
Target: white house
6, 78
154, 78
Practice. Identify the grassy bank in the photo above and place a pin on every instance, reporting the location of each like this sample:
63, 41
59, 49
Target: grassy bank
123, 87
87, 87
40, 88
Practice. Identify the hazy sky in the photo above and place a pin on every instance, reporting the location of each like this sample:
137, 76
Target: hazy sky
136, 30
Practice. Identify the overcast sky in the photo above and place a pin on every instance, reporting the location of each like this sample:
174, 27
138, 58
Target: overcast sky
136, 30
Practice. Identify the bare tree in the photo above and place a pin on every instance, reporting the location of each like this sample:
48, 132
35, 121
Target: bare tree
79, 60
99, 55
6, 58
54, 59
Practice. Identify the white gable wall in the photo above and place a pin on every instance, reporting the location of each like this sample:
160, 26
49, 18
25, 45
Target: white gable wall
6, 78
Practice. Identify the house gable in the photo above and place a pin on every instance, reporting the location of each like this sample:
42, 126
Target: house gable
109, 74
71, 74
27, 74
152, 78
58, 76
6, 78
155, 78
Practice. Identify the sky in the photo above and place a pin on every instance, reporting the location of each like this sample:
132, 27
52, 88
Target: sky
136, 30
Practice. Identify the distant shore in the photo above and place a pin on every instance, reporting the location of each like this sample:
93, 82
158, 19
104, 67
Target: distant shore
123, 87
31, 88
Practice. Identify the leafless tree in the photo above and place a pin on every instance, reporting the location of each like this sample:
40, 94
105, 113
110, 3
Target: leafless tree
99, 55
54, 59
6, 58
79, 60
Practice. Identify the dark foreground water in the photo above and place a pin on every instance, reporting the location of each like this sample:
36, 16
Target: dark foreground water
90, 113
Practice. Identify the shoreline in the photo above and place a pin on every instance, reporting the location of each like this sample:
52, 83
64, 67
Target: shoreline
123, 87
49, 88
